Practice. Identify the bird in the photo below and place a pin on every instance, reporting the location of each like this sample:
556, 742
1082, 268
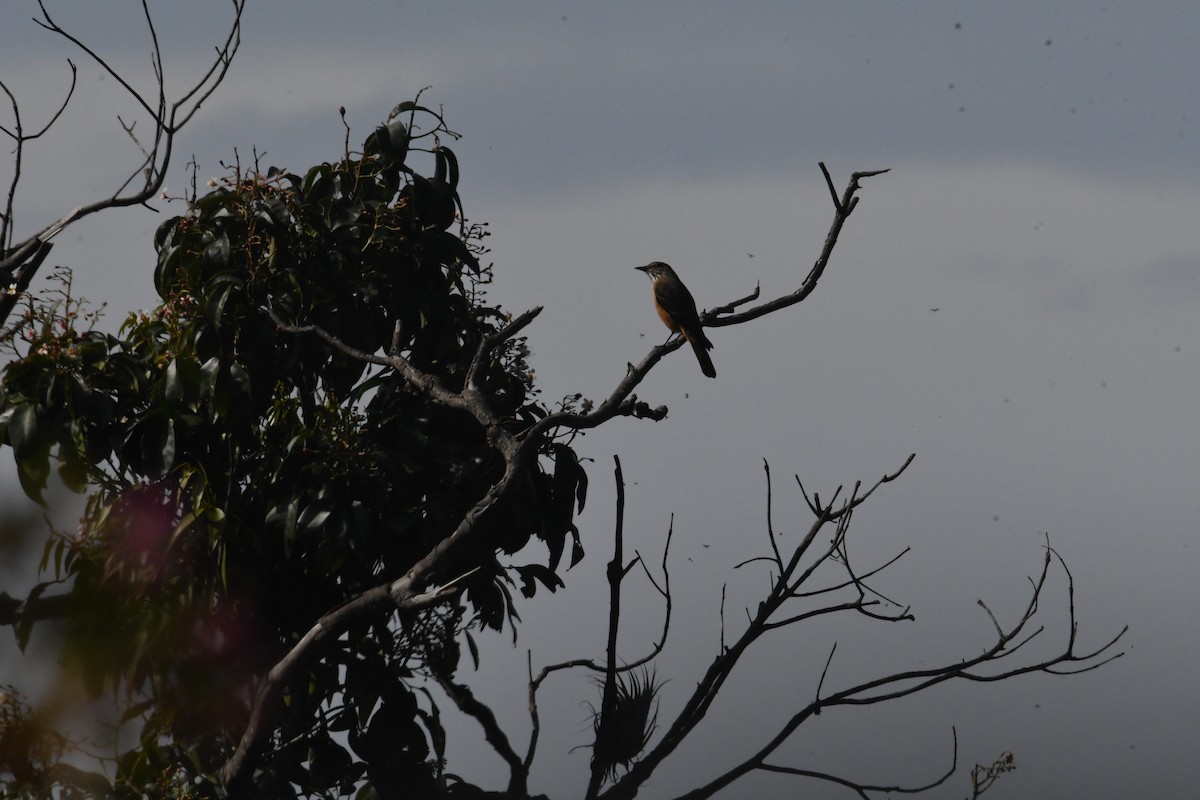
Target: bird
677, 309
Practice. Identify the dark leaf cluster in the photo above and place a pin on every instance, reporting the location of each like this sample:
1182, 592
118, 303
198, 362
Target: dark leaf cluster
246, 480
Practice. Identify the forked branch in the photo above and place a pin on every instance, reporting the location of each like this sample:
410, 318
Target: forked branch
795, 571
20, 262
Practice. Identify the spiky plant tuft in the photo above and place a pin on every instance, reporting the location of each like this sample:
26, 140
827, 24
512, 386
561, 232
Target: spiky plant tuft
621, 737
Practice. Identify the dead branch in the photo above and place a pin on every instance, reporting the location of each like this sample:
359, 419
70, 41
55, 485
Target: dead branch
20, 137
19, 263
786, 588
863, 790
843, 208
619, 401
616, 573
466, 701
610, 668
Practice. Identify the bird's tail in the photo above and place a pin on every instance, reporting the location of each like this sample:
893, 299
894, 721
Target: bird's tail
701, 345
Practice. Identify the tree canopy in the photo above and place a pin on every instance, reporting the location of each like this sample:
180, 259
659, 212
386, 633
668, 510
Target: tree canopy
246, 480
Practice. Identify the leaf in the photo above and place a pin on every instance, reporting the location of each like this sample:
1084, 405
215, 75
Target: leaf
167, 269
327, 761
164, 232
433, 724
33, 463
184, 524
241, 379
158, 445
318, 183
216, 254
173, 385
219, 290
289, 527
536, 572
570, 482
274, 212
213, 390
313, 518
581, 486
576, 547
22, 428
72, 470
474, 648
6, 415
25, 625
344, 214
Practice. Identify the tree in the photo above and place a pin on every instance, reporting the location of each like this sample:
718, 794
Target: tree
318, 469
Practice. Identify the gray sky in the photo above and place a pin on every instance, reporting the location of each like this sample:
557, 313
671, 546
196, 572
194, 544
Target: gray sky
1043, 197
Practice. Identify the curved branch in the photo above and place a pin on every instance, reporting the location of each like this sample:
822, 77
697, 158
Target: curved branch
842, 210
168, 119
467, 703
862, 789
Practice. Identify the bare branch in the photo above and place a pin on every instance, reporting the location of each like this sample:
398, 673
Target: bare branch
770, 522
621, 400
904, 684
824, 672
589, 664
723, 588
842, 210
466, 701
50, 25
837, 204
19, 137
665, 591
854, 581
730, 306
983, 777
863, 789
608, 700
168, 120
787, 587
856, 605
470, 399
16, 612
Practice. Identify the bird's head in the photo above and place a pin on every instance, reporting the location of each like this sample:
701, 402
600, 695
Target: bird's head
656, 270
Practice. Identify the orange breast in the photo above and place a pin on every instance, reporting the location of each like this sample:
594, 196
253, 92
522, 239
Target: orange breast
666, 318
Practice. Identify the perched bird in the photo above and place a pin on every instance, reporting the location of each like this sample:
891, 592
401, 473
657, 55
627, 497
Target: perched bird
677, 309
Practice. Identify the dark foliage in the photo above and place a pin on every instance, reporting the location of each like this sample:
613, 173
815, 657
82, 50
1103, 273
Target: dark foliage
246, 480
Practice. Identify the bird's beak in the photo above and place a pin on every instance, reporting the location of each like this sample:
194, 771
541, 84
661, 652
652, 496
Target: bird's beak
644, 269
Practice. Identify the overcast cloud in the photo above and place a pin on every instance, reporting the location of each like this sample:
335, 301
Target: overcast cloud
1015, 302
